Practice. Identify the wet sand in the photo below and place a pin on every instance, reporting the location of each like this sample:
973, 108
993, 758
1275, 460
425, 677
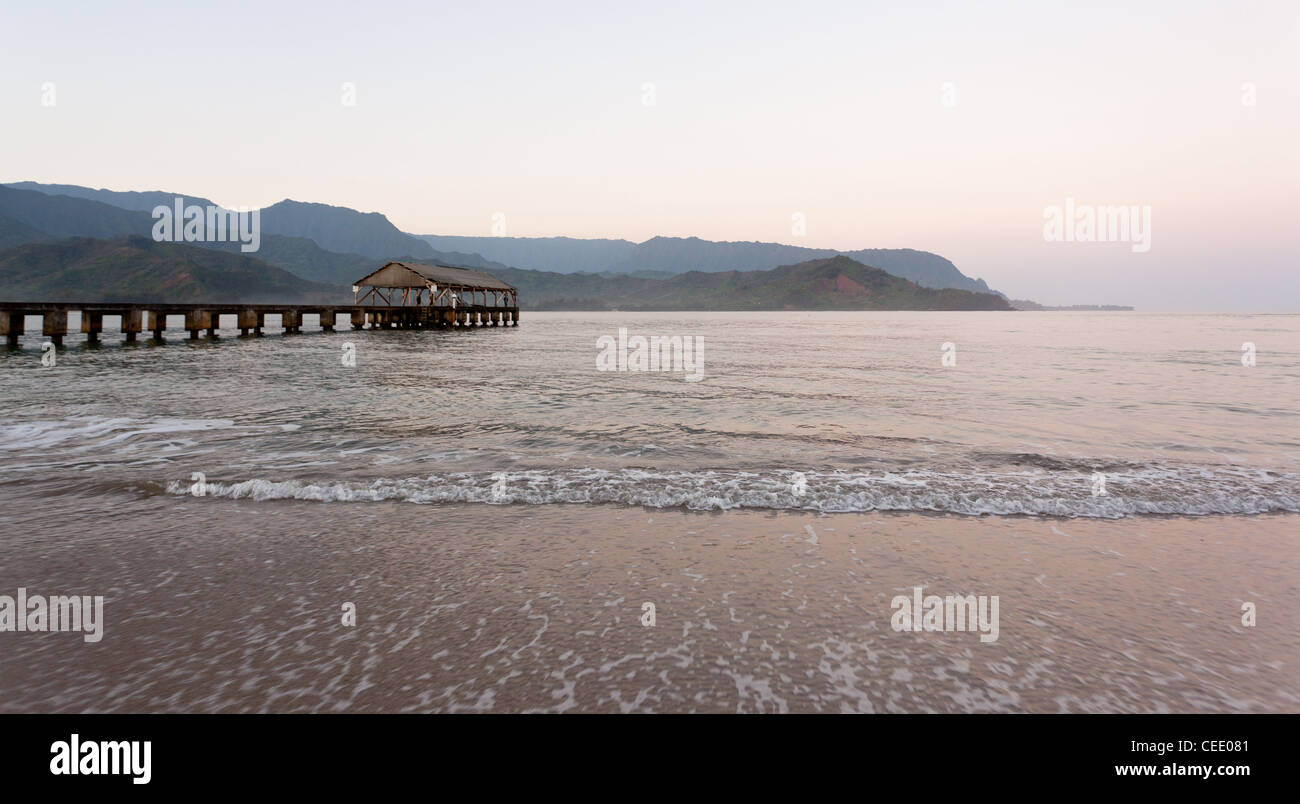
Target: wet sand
538, 609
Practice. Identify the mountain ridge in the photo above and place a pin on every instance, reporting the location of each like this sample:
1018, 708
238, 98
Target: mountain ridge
681, 254
370, 234
139, 269
29, 216
830, 283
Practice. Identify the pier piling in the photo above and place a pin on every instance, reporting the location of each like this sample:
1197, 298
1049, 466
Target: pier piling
131, 321
55, 326
250, 319
12, 325
196, 321
91, 325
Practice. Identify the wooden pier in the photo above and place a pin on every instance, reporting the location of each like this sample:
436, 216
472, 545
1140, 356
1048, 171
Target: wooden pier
431, 296
199, 319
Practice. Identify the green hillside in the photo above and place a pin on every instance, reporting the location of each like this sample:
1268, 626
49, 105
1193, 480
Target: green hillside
836, 283
40, 214
137, 269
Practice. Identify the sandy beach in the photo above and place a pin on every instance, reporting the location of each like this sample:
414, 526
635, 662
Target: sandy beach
539, 608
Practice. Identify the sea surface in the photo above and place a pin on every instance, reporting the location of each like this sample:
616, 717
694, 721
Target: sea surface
499, 508
833, 412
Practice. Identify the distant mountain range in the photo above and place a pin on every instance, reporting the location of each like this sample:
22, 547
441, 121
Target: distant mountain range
131, 199
317, 241
138, 269
348, 231
674, 255
332, 228
54, 216
329, 246
135, 268
831, 283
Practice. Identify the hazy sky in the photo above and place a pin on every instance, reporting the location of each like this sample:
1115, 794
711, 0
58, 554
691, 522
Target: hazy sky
943, 127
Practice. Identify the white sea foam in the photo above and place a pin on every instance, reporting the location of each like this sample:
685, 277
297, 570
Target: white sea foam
1154, 490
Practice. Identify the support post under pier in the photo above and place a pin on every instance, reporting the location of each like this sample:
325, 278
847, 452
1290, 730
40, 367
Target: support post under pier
131, 324
251, 319
55, 326
196, 321
12, 326
91, 325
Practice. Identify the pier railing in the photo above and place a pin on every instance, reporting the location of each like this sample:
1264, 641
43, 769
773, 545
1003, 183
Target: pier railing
250, 318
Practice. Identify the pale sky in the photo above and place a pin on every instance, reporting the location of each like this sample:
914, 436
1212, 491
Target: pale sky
760, 111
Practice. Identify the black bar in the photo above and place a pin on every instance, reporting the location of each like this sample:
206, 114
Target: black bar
1048, 756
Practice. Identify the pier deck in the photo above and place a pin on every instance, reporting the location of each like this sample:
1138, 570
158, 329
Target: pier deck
250, 318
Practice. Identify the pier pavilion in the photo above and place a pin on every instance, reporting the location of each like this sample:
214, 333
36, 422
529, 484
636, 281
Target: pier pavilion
407, 294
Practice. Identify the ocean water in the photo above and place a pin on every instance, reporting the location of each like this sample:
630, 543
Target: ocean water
498, 511
830, 412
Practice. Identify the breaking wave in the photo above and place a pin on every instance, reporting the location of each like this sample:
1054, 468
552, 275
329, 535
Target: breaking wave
1153, 490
